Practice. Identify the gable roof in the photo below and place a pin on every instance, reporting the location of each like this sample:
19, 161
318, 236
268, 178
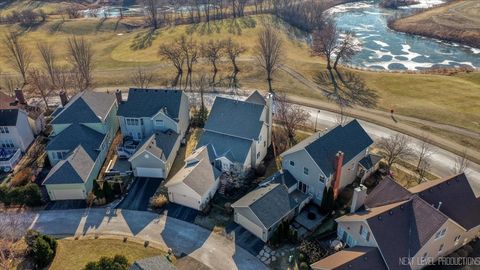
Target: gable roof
351, 139
153, 263
356, 258
269, 203
75, 135
387, 191
369, 161
74, 169
197, 173
451, 192
235, 118
159, 144
8, 117
148, 102
233, 148
281, 177
257, 98
85, 107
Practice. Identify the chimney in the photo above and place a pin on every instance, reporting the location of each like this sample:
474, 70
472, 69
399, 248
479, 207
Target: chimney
269, 101
20, 96
359, 197
63, 98
338, 173
118, 95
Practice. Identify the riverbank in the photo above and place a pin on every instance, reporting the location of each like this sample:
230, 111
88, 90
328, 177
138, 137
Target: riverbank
457, 22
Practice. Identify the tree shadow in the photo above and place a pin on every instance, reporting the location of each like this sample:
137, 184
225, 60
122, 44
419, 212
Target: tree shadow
56, 27
100, 24
143, 40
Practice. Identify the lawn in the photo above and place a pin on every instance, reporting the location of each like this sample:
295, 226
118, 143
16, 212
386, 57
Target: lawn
453, 100
74, 254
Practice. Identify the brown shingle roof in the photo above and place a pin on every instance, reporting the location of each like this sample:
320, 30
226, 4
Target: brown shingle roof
355, 258
386, 192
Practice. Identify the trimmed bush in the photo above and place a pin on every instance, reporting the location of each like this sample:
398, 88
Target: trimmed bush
32, 195
43, 254
118, 262
158, 201
29, 195
304, 266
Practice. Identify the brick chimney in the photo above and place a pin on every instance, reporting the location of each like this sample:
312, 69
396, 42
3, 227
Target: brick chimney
20, 96
63, 98
118, 95
338, 173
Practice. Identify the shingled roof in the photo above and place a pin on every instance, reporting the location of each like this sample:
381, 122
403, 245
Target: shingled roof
356, 258
8, 117
148, 102
220, 145
387, 192
74, 169
159, 144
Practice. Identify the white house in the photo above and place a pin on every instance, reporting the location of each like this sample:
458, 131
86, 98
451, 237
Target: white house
328, 159
196, 183
157, 119
83, 130
239, 132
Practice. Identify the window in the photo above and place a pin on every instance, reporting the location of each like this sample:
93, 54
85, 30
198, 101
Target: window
305, 170
8, 144
132, 121
457, 238
292, 163
302, 187
260, 138
424, 257
264, 143
441, 248
4, 130
322, 179
364, 233
58, 155
258, 155
440, 233
159, 123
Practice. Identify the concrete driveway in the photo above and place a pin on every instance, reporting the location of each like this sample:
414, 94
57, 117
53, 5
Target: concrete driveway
140, 193
213, 250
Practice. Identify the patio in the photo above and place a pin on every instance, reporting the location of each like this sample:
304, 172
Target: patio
308, 220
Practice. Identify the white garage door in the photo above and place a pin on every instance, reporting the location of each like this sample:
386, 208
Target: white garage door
149, 172
68, 194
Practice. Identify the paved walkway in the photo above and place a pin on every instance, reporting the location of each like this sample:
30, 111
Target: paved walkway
213, 250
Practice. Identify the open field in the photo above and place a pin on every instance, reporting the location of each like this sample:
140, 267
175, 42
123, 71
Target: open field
457, 22
75, 254
452, 100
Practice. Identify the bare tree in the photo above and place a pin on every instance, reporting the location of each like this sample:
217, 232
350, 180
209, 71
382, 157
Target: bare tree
268, 52
12, 228
48, 59
10, 83
81, 54
40, 84
64, 78
142, 78
290, 116
19, 57
233, 50
424, 153
190, 51
151, 13
395, 148
213, 52
422, 170
461, 163
174, 54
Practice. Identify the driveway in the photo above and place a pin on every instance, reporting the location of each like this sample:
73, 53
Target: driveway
180, 212
140, 193
213, 250
245, 239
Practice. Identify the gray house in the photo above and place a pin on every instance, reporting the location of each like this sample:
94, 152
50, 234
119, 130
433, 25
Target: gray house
239, 132
328, 159
83, 130
156, 120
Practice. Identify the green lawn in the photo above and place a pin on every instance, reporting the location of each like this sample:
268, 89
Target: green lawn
75, 254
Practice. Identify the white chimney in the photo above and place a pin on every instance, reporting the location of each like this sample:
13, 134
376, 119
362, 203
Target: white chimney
359, 197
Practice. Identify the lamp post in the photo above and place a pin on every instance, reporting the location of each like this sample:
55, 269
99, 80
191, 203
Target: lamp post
316, 120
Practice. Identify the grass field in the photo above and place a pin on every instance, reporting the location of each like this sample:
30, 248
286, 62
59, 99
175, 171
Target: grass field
75, 254
458, 21
453, 100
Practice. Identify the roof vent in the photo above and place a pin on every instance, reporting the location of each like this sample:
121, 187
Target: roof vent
439, 205
379, 217
390, 212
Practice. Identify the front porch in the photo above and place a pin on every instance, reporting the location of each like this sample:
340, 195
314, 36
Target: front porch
9, 158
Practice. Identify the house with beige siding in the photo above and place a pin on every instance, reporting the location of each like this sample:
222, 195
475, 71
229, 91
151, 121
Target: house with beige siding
408, 229
82, 131
156, 120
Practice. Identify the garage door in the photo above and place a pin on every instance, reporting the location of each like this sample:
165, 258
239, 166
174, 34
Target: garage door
149, 172
68, 194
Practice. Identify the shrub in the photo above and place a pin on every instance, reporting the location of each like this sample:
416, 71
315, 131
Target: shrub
108, 191
43, 254
118, 262
30, 237
304, 266
4, 195
158, 201
260, 170
22, 178
32, 195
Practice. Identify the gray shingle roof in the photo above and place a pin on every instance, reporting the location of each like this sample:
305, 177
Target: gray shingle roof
370, 161
386, 192
74, 169
235, 118
269, 203
153, 263
197, 173
160, 144
223, 145
351, 139
8, 118
86, 107
256, 98
281, 177
148, 102
74, 135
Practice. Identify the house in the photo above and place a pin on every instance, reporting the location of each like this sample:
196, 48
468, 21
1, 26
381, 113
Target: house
153, 263
328, 159
15, 137
83, 130
239, 132
424, 223
156, 120
35, 112
196, 183
276, 200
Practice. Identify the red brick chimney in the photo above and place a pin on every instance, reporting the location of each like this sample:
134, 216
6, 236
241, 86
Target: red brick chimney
63, 98
118, 95
338, 173
20, 96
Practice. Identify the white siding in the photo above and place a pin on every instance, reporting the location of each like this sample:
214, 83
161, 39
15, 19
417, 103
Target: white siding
184, 195
251, 227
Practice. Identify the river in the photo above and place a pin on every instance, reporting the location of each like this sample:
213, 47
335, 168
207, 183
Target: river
385, 49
